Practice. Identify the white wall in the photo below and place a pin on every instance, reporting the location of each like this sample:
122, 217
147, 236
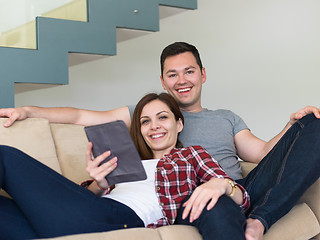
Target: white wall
262, 60
15, 13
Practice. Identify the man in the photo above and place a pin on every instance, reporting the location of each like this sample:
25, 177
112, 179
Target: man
221, 132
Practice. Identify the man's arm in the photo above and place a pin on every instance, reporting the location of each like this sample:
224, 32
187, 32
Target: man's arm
252, 149
66, 115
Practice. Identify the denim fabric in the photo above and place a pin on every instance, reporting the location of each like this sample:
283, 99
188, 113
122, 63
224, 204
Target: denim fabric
46, 204
224, 221
285, 173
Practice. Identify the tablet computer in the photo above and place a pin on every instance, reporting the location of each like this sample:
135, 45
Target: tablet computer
115, 136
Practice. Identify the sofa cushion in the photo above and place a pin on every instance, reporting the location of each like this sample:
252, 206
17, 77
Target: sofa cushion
71, 144
32, 136
174, 232
299, 223
179, 232
130, 233
311, 197
246, 167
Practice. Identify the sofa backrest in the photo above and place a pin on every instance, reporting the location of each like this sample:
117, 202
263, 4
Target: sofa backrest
62, 147
32, 136
71, 144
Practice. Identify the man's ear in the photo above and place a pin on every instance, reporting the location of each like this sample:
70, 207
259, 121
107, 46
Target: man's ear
162, 82
180, 125
204, 75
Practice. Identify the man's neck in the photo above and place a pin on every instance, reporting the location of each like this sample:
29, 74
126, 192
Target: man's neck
191, 109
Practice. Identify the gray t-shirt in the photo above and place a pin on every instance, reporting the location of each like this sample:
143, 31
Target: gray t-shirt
214, 130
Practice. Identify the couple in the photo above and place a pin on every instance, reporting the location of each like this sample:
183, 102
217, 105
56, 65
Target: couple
62, 207
224, 135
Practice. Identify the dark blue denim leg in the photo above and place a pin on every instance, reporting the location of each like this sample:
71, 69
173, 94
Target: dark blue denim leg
287, 171
54, 205
13, 222
224, 221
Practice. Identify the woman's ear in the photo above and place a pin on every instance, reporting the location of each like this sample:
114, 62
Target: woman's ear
180, 125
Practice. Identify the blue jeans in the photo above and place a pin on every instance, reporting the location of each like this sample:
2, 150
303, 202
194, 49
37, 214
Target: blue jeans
224, 221
274, 186
285, 173
46, 204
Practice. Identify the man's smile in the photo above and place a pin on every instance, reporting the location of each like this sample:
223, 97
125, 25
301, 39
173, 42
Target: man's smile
183, 90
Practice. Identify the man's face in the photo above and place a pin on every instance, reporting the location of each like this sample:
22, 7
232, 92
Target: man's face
183, 79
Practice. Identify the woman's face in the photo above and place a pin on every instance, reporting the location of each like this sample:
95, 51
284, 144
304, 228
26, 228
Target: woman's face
159, 128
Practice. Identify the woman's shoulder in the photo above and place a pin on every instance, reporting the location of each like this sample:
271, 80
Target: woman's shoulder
192, 154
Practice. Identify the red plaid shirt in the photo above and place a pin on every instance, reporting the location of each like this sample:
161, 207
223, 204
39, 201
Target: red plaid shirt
179, 173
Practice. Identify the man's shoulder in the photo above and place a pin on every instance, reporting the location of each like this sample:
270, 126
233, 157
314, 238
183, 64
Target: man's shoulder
210, 113
131, 109
223, 112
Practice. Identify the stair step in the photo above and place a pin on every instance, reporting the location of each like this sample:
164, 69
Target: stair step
62, 42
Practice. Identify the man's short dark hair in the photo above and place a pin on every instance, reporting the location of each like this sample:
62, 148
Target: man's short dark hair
176, 49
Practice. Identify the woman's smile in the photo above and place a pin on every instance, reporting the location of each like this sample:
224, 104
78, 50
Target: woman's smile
157, 136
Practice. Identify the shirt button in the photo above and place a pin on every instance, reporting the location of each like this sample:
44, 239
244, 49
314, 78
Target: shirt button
158, 169
162, 204
158, 188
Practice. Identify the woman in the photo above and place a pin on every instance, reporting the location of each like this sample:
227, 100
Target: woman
45, 204
182, 172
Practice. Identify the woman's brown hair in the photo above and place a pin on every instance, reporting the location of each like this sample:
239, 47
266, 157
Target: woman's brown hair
135, 130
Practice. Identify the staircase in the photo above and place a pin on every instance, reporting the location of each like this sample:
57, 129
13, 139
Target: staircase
56, 38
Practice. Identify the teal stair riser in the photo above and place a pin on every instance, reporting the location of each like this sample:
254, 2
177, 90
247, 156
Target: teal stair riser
83, 37
48, 64
188, 4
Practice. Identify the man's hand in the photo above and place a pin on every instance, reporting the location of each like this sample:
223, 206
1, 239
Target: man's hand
303, 112
13, 114
207, 192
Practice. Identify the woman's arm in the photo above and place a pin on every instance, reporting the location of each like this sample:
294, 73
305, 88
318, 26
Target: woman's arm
210, 192
216, 183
